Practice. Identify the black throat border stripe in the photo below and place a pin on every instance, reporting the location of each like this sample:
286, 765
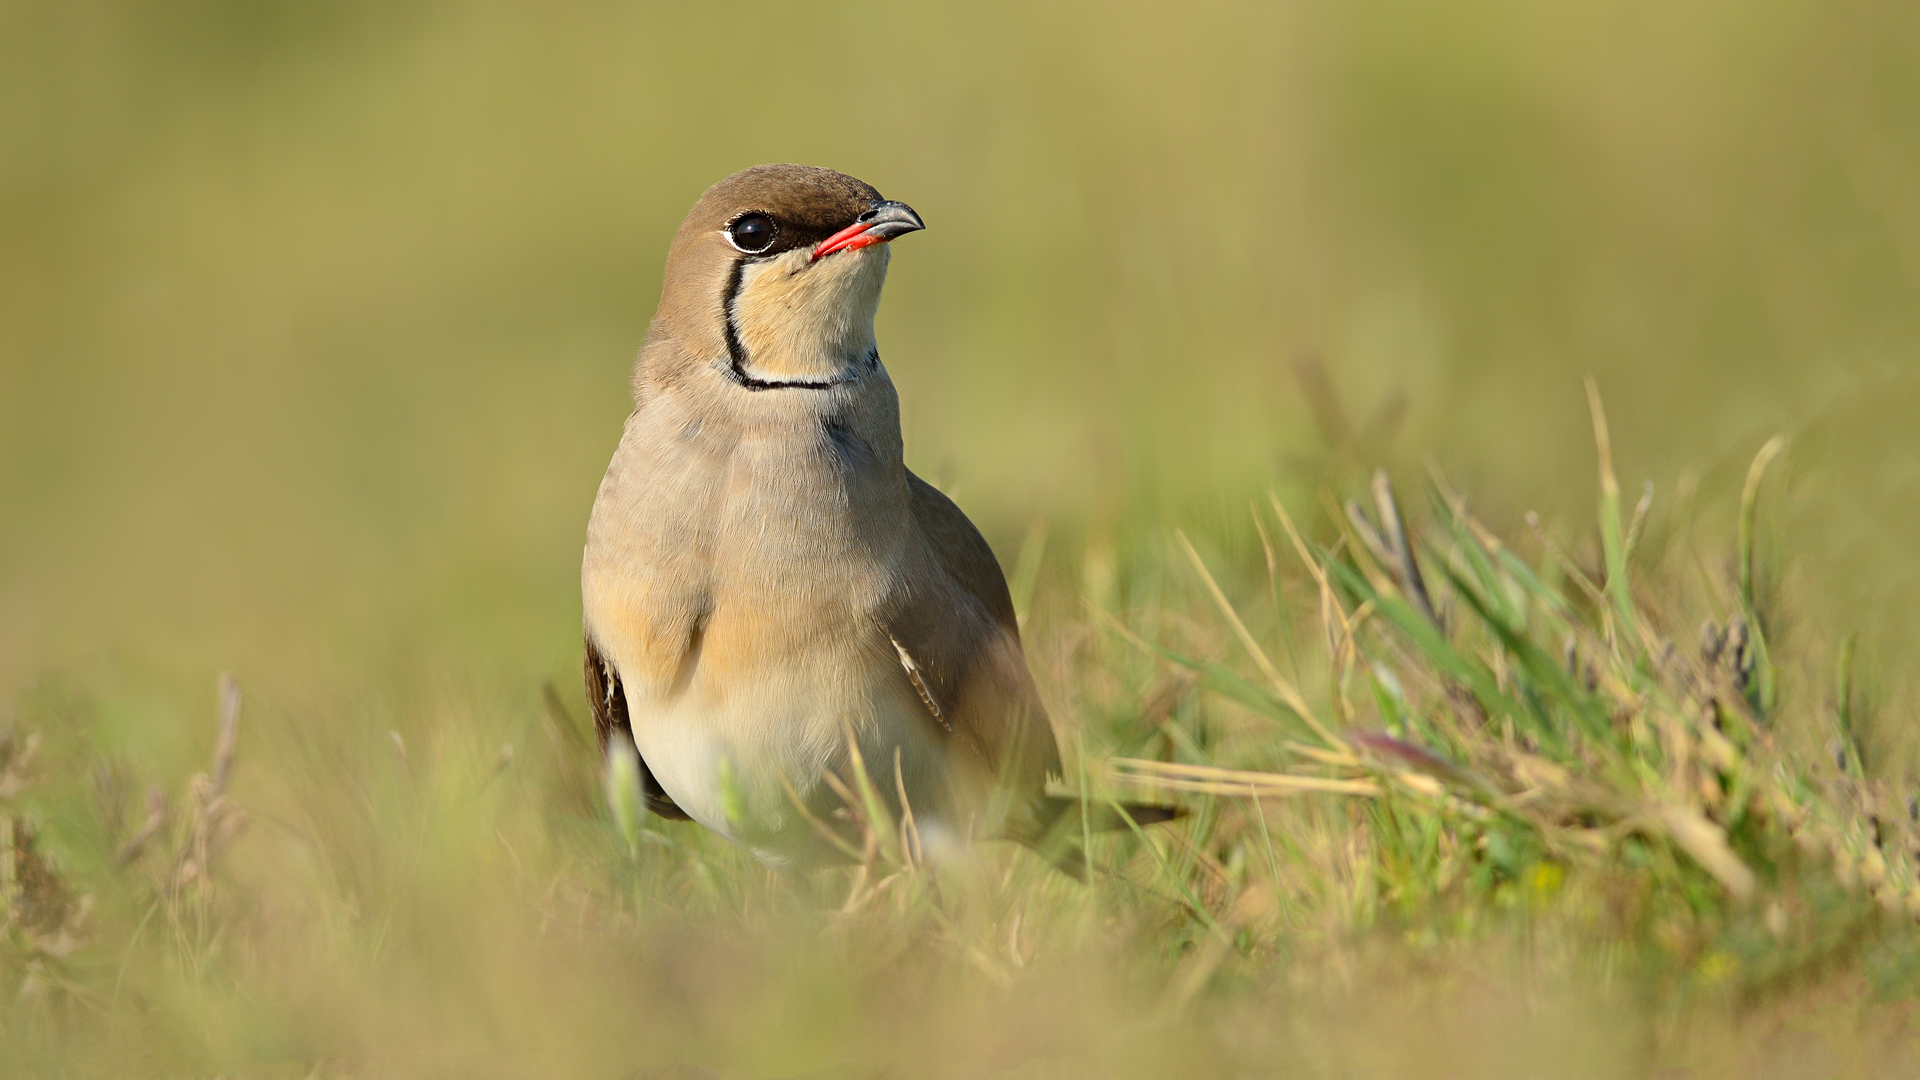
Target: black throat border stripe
737, 353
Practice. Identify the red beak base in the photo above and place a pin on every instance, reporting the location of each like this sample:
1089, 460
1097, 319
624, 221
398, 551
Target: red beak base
877, 226
852, 238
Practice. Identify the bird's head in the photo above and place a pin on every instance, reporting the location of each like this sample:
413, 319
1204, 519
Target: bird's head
775, 276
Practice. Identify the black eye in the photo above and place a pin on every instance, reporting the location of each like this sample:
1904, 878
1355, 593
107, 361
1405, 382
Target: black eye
752, 233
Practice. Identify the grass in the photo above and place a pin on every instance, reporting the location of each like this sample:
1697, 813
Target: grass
1453, 810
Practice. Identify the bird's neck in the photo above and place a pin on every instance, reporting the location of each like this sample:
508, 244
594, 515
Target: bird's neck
795, 321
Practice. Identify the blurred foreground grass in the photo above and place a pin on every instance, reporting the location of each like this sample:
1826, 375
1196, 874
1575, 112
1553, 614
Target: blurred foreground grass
314, 327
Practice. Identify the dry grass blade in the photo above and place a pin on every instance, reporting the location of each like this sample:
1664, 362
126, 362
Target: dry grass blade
1327, 595
877, 822
1369, 538
1707, 843
1365, 788
1578, 576
1602, 439
910, 848
156, 820
1324, 757
1282, 687
1641, 511
1026, 571
1184, 777
229, 737
215, 821
821, 828
1612, 533
1749, 503
1399, 549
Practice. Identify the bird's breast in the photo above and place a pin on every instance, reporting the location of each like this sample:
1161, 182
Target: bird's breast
741, 595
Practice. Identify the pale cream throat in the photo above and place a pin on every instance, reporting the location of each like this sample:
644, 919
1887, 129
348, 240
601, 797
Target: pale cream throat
801, 320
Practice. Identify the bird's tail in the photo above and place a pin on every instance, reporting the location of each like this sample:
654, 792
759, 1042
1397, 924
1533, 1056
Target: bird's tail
1058, 827
1059, 812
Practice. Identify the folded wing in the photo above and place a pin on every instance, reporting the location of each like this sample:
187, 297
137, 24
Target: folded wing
960, 645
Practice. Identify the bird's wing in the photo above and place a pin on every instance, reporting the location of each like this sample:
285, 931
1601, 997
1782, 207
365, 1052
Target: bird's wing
960, 646
608, 699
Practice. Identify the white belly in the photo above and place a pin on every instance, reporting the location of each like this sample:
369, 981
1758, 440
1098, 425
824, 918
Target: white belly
736, 753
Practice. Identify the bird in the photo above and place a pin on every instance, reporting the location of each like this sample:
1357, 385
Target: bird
768, 593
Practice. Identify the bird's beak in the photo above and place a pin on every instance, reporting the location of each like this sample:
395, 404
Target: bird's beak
877, 226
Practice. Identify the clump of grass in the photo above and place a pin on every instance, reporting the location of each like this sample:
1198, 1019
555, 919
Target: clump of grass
41, 918
1518, 729
167, 868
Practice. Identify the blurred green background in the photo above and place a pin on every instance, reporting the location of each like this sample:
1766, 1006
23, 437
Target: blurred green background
315, 319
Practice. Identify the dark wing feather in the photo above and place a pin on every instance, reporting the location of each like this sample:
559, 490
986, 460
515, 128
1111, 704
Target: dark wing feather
961, 648
966, 643
962, 551
609, 703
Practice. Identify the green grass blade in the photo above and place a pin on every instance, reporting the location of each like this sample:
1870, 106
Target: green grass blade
1546, 672
1222, 680
1428, 641
1761, 690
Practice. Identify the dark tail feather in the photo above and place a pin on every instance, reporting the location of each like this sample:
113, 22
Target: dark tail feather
1147, 814
1060, 814
1061, 823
